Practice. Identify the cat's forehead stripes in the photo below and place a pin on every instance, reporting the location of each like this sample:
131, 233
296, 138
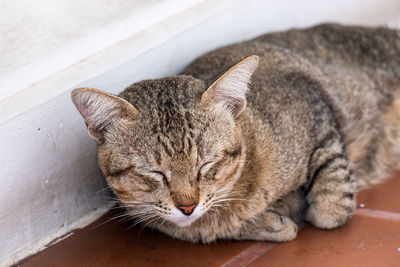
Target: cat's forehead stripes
168, 106
170, 93
174, 132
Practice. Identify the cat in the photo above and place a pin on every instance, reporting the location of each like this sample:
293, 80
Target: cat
203, 156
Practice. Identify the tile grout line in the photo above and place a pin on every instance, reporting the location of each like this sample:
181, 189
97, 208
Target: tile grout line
257, 250
250, 254
376, 213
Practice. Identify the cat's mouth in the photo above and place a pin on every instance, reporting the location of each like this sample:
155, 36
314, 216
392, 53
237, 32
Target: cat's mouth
181, 220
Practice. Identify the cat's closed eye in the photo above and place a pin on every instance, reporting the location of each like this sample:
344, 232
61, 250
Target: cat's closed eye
119, 172
234, 152
162, 176
203, 169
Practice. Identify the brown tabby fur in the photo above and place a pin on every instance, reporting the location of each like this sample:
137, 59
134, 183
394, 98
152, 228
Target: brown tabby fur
322, 119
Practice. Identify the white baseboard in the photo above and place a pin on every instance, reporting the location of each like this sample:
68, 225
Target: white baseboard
54, 237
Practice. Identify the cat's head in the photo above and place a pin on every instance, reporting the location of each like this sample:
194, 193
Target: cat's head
170, 148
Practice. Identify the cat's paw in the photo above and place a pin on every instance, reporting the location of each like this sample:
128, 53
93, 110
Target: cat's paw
270, 226
329, 215
278, 228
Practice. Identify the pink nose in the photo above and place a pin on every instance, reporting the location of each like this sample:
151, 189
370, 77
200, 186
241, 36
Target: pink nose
187, 210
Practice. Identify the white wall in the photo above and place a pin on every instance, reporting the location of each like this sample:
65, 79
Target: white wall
49, 177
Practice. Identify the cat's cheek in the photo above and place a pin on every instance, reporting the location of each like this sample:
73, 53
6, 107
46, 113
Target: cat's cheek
116, 185
225, 173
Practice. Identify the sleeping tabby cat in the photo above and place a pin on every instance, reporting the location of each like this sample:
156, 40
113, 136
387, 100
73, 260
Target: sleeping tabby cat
202, 156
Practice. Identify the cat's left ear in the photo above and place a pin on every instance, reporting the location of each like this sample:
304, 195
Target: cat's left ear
230, 89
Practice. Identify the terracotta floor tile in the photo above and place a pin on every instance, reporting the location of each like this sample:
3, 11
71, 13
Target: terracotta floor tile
363, 242
113, 245
385, 196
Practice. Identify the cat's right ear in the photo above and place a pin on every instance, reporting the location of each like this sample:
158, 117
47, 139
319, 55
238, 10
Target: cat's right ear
100, 109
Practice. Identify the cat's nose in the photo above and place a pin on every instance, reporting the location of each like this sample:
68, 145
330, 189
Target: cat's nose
187, 210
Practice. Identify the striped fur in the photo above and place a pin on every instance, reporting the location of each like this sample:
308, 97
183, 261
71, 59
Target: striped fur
320, 120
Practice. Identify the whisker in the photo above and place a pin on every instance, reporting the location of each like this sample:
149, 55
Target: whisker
142, 219
104, 189
163, 221
109, 198
136, 207
140, 202
123, 215
121, 207
228, 199
123, 219
139, 213
150, 221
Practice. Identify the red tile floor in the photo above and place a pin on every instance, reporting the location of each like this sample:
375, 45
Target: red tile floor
371, 238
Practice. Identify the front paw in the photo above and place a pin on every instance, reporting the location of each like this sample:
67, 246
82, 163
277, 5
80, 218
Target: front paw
276, 227
329, 215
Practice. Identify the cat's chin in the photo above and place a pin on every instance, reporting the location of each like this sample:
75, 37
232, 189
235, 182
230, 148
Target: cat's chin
184, 221
183, 224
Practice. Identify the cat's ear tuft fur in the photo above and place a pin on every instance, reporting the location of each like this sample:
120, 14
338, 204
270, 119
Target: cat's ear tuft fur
230, 89
100, 110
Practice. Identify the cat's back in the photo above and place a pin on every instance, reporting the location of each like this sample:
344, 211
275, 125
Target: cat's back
344, 61
352, 46
375, 47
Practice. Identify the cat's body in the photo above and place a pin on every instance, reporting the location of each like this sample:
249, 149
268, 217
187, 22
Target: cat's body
357, 68
322, 118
